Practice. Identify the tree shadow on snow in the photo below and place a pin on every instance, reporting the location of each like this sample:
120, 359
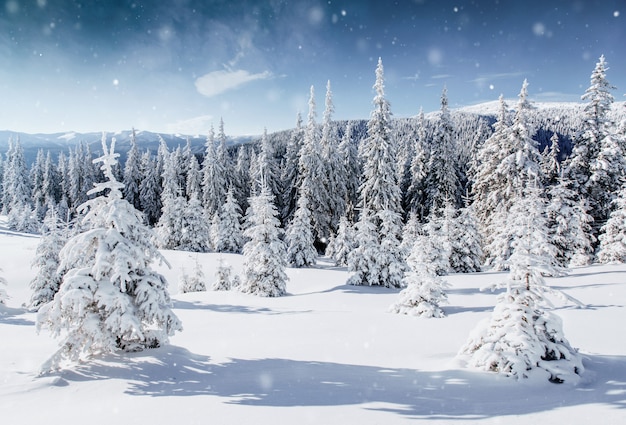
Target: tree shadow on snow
11, 316
229, 308
452, 394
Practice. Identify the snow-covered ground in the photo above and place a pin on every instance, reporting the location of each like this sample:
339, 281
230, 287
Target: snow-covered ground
327, 353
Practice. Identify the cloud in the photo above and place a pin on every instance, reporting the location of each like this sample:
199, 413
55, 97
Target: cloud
217, 82
193, 126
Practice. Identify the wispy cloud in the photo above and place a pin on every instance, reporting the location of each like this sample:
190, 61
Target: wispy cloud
217, 82
496, 76
193, 126
440, 76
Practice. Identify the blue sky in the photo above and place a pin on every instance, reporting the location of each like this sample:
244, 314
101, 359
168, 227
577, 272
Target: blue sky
178, 66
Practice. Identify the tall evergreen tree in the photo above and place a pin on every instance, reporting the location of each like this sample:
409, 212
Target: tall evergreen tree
290, 171
351, 170
342, 244
442, 181
132, 173
299, 237
612, 237
228, 237
379, 189
149, 189
265, 254
213, 178
110, 298
46, 282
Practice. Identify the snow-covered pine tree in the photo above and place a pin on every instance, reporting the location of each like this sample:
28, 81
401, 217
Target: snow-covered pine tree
570, 225
171, 223
289, 172
418, 171
488, 189
425, 288
333, 203
228, 236
193, 184
612, 237
438, 249
391, 258
379, 189
195, 231
311, 168
268, 170
265, 254
442, 181
522, 338
466, 254
110, 298
46, 282
299, 237
550, 163
193, 283
214, 185
132, 173
149, 190
411, 232
363, 261
223, 280
16, 181
342, 244
351, 168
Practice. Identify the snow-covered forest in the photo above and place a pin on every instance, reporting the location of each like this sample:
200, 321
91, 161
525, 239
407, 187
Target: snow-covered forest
523, 196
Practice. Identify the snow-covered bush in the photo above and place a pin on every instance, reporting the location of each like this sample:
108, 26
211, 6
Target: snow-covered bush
223, 280
193, 283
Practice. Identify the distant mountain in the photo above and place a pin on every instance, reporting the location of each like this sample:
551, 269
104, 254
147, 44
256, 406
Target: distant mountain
62, 142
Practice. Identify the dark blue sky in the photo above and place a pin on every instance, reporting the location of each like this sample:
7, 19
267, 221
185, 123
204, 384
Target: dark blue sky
178, 66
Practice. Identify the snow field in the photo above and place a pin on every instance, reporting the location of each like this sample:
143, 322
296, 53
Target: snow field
325, 353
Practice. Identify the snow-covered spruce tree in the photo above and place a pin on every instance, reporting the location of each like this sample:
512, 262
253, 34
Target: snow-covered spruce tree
442, 181
193, 283
223, 280
195, 231
265, 254
311, 168
612, 237
411, 232
169, 228
110, 298
193, 185
488, 189
46, 282
570, 225
351, 169
425, 289
267, 168
333, 203
391, 259
15, 181
299, 237
379, 189
419, 167
437, 231
132, 173
550, 163
363, 261
596, 125
379, 192
289, 171
150, 190
214, 184
521, 338
342, 244
228, 236
466, 254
